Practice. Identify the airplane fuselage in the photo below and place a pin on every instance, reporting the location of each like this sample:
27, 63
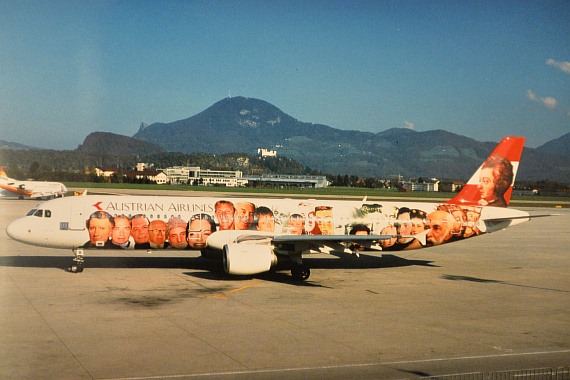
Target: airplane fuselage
64, 222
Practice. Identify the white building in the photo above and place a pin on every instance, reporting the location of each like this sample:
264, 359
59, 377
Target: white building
208, 177
432, 185
190, 175
262, 152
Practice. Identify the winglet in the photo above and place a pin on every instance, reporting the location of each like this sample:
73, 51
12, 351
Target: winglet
492, 183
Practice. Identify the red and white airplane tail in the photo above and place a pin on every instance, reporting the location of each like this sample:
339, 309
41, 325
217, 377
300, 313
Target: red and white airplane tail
492, 184
3, 173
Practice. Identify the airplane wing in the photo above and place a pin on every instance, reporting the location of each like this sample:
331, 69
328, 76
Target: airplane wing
330, 238
222, 238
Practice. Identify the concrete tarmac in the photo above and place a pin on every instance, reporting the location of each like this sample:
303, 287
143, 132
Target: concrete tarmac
493, 303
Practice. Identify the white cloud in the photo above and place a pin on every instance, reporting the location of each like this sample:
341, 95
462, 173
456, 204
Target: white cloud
409, 125
548, 102
563, 66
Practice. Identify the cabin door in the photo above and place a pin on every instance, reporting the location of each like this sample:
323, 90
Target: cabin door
78, 214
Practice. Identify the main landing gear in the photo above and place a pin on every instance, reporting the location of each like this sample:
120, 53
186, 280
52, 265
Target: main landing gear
77, 266
300, 272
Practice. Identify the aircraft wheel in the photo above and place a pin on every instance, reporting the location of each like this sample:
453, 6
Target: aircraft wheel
76, 268
301, 272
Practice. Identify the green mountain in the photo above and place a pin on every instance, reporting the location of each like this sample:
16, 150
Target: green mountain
558, 147
117, 145
242, 124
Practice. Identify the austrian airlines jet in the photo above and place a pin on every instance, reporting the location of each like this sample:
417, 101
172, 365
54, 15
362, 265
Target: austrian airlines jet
30, 189
251, 235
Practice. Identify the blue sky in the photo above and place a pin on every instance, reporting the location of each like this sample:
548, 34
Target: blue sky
483, 69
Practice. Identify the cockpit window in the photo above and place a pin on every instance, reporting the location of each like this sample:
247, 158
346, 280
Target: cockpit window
31, 212
39, 213
47, 214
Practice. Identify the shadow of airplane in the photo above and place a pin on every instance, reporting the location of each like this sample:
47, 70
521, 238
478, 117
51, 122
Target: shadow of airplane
212, 269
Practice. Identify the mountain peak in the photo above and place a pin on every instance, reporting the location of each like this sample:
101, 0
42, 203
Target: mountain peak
117, 145
243, 125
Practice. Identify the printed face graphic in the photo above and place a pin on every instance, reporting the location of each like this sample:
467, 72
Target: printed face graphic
99, 230
296, 225
324, 220
310, 222
244, 216
460, 220
418, 226
225, 216
440, 224
487, 185
266, 223
157, 232
198, 233
121, 231
139, 230
177, 237
405, 224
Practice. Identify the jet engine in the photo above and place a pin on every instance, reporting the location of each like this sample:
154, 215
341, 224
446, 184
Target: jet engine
247, 259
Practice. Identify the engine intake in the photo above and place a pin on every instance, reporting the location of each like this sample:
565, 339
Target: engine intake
247, 259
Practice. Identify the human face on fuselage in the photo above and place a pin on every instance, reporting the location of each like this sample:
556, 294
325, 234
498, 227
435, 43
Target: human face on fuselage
177, 237
139, 229
418, 226
440, 224
297, 225
157, 232
324, 220
121, 230
404, 224
225, 215
487, 184
310, 222
460, 220
198, 233
99, 230
244, 216
266, 223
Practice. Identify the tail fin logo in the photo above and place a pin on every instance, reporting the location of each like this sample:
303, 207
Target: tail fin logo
492, 184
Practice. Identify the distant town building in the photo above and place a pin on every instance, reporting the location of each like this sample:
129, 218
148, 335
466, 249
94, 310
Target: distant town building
262, 152
431, 185
105, 172
157, 176
143, 166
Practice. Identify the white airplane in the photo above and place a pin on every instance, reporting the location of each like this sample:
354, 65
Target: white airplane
251, 235
30, 189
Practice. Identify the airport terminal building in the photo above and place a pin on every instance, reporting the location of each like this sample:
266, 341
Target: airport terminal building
195, 175
287, 180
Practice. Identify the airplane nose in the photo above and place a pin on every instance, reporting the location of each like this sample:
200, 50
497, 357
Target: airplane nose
17, 230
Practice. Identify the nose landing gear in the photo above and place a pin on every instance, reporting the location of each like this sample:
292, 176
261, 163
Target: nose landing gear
77, 266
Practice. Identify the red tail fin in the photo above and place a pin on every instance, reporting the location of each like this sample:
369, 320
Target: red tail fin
2, 172
492, 183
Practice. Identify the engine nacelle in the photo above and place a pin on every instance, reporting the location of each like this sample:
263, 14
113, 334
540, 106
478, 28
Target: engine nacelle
246, 259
